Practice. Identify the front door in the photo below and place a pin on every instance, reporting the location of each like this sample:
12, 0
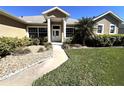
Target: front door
56, 33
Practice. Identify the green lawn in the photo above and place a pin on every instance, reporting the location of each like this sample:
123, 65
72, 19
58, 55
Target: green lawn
103, 66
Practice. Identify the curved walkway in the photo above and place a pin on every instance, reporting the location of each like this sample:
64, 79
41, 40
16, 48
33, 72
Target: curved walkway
26, 77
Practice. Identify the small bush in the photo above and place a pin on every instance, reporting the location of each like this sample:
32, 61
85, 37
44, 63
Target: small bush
5, 49
68, 41
40, 50
21, 51
35, 41
9, 44
65, 46
48, 46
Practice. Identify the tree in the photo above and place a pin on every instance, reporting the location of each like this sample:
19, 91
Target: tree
84, 29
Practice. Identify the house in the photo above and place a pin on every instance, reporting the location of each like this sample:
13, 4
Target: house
55, 24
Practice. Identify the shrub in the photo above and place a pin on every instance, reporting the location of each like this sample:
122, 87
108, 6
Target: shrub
5, 49
40, 50
66, 46
68, 41
35, 41
21, 51
25, 41
106, 40
9, 44
42, 40
48, 46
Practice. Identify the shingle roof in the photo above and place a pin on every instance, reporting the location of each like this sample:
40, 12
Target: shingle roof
41, 19
33, 19
71, 21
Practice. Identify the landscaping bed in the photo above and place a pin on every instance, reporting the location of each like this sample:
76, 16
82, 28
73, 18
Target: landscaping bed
20, 60
94, 66
18, 54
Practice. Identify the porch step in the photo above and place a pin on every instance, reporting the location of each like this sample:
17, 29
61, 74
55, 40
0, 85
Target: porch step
57, 43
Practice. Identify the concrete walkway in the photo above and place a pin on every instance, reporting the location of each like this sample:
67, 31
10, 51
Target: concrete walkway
26, 77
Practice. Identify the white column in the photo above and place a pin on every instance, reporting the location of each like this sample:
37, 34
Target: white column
27, 33
48, 30
64, 30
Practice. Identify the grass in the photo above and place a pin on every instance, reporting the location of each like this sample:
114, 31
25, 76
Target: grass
103, 66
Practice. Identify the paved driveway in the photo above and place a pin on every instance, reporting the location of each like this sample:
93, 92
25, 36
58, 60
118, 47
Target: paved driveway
26, 77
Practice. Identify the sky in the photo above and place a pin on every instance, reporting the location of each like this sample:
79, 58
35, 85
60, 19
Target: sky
75, 11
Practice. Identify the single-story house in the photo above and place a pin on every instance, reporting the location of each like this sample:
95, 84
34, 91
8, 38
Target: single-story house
55, 24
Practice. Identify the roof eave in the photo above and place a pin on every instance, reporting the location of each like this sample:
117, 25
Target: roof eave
11, 16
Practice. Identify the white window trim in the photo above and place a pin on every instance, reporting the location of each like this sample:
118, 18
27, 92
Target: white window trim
102, 29
115, 32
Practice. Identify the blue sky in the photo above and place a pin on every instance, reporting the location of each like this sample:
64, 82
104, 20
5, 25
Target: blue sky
75, 11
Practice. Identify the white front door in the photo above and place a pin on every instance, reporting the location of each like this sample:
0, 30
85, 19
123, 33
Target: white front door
56, 33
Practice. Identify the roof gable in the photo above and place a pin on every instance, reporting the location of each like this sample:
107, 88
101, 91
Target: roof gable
55, 8
111, 13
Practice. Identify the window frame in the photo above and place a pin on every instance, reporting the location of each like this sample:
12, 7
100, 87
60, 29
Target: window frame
73, 31
37, 29
102, 29
115, 32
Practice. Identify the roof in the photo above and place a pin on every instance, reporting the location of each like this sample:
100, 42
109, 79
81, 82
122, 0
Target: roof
11, 16
54, 8
71, 21
106, 13
33, 19
40, 19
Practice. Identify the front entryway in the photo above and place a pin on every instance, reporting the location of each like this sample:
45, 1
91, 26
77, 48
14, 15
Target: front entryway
56, 33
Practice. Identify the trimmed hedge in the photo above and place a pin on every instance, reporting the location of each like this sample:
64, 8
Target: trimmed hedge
106, 40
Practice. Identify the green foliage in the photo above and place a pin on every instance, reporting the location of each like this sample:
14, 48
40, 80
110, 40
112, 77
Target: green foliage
38, 41
5, 49
84, 29
40, 50
66, 46
106, 40
68, 41
21, 51
97, 66
48, 46
9, 44
35, 41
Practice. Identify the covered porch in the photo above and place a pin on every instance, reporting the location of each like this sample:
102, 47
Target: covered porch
56, 29
56, 24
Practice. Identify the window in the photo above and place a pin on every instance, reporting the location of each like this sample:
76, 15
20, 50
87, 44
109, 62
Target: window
69, 32
56, 27
100, 28
35, 32
57, 33
42, 32
112, 29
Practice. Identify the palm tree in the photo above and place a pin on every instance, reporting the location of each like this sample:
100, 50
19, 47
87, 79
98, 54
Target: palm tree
84, 29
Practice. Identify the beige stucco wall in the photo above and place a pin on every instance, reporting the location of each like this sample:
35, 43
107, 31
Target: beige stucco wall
107, 20
11, 28
121, 31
